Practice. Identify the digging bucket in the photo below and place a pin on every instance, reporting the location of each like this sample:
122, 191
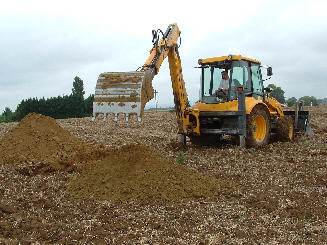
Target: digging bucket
123, 93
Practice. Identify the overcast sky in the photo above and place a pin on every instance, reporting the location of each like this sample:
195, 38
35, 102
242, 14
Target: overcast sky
45, 44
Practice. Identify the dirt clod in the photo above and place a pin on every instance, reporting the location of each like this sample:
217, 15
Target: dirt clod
7, 209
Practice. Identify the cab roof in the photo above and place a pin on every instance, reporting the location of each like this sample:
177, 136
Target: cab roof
224, 58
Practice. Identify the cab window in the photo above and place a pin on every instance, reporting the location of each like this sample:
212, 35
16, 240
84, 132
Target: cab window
240, 78
212, 77
210, 80
256, 79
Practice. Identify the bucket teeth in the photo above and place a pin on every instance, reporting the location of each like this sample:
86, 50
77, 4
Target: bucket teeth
122, 93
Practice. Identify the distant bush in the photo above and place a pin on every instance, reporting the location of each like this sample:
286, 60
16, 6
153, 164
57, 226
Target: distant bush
322, 101
4, 119
7, 115
57, 107
10, 118
291, 101
309, 100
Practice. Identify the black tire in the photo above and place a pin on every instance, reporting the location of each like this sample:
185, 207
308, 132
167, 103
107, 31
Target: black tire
204, 140
285, 128
258, 128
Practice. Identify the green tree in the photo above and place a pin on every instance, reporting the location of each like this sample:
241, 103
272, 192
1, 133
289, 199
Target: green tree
277, 93
272, 86
7, 112
291, 101
65, 106
76, 106
88, 104
322, 101
309, 100
78, 87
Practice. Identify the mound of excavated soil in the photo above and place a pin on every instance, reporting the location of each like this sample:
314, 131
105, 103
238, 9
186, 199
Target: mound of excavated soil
137, 173
38, 139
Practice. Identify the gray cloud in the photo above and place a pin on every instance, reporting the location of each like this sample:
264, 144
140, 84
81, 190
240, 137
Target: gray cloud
40, 54
42, 59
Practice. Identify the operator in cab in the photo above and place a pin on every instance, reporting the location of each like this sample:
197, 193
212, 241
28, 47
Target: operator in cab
224, 83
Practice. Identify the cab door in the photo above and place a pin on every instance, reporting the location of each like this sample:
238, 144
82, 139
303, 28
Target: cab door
240, 78
256, 77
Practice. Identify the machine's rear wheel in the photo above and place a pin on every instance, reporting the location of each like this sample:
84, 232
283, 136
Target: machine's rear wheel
204, 140
285, 128
258, 127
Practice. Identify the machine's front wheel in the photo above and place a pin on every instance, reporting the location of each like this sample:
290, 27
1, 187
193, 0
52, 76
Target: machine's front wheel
285, 128
258, 127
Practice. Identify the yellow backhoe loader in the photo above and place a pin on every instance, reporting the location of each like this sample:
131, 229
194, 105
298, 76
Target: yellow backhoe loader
242, 107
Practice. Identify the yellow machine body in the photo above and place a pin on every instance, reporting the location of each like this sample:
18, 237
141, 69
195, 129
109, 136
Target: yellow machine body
247, 114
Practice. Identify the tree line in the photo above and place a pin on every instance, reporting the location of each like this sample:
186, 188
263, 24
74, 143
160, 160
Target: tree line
66, 106
278, 93
74, 105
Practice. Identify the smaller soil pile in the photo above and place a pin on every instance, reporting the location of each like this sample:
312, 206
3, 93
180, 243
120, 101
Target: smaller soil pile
38, 139
137, 173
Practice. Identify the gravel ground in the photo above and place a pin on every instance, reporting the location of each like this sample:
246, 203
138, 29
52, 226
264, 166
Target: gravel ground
280, 195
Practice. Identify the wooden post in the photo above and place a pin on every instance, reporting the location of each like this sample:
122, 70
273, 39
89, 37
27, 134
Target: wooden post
155, 98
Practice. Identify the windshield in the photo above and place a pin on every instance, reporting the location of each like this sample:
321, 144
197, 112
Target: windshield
222, 83
212, 81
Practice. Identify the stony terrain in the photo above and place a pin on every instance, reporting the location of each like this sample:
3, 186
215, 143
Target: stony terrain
277, 194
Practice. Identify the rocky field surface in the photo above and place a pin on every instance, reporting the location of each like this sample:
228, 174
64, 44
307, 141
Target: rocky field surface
163, 193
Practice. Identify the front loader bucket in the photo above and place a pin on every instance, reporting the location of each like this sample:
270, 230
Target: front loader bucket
302, 123
123, 93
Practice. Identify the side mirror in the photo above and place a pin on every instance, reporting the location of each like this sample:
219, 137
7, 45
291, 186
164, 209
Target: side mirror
268, 90
269, 71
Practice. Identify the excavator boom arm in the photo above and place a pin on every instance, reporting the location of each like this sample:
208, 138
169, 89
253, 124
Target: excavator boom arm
168, 46
179, 90
161, 47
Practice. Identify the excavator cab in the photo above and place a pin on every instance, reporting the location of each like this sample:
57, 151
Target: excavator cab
242, 74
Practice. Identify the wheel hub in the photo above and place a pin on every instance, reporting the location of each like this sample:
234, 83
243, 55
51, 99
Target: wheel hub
259, 128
